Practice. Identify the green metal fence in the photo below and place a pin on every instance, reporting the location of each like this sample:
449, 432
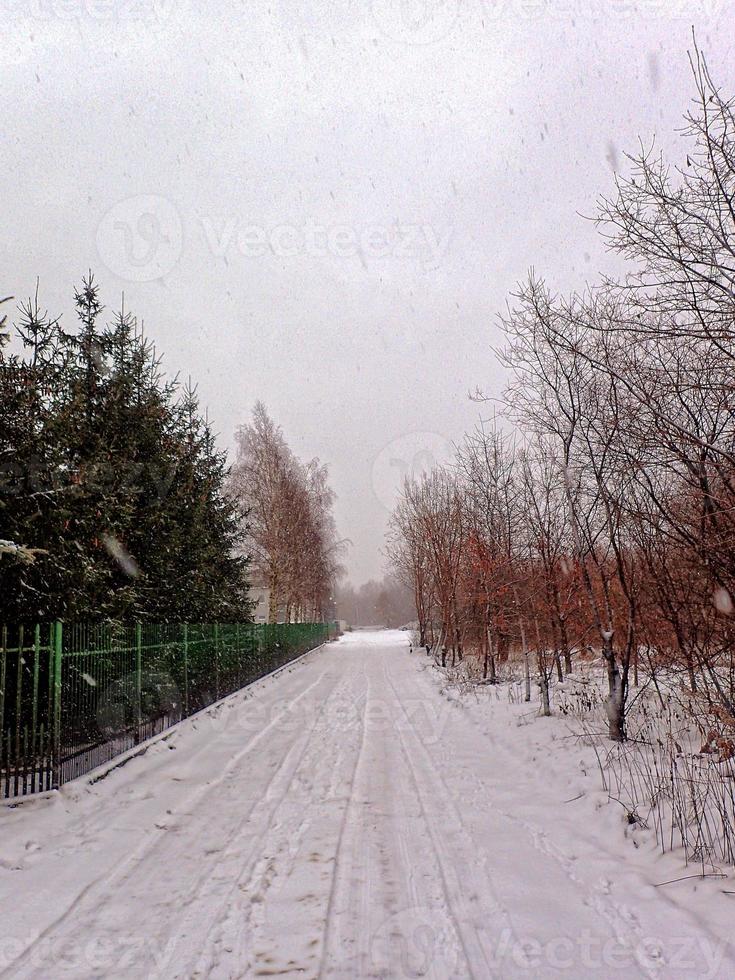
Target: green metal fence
74, 696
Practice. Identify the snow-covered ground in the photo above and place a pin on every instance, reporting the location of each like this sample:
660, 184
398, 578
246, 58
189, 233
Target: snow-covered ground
347, 818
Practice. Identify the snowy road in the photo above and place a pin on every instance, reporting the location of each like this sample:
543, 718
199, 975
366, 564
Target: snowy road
345, 819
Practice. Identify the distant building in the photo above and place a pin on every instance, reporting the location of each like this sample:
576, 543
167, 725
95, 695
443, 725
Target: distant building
260, 596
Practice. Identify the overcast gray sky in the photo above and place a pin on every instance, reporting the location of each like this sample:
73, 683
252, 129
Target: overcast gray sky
324, 203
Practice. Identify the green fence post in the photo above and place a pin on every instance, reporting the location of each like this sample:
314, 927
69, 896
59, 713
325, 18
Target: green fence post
19, 695
185, 645
58, 634
216, 661
3, 677
138, 678
34, 717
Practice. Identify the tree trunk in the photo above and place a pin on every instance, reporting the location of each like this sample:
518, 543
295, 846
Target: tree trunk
616, 694
457, 634
690, 671
543, 674
544, 684
524, 647
273, 598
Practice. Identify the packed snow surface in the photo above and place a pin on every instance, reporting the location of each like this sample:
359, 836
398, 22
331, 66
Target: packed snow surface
347, 817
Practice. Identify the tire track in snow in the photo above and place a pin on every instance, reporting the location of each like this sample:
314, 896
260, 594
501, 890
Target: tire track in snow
355, 891
337, 885
454, 868
383, 856
227, 913
89, 903
204, 907
91, 825
616, 917
613, 915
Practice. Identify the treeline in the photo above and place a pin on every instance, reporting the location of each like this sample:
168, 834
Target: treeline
382, 602
607, 522
291, 538
115, 502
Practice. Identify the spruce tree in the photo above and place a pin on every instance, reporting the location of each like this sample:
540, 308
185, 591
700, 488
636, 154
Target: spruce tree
112, 478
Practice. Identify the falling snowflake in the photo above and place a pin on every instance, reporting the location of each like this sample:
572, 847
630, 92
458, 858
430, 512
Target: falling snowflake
121, 555
723, 602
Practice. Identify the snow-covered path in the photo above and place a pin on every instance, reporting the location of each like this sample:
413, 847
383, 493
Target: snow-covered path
344, 819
